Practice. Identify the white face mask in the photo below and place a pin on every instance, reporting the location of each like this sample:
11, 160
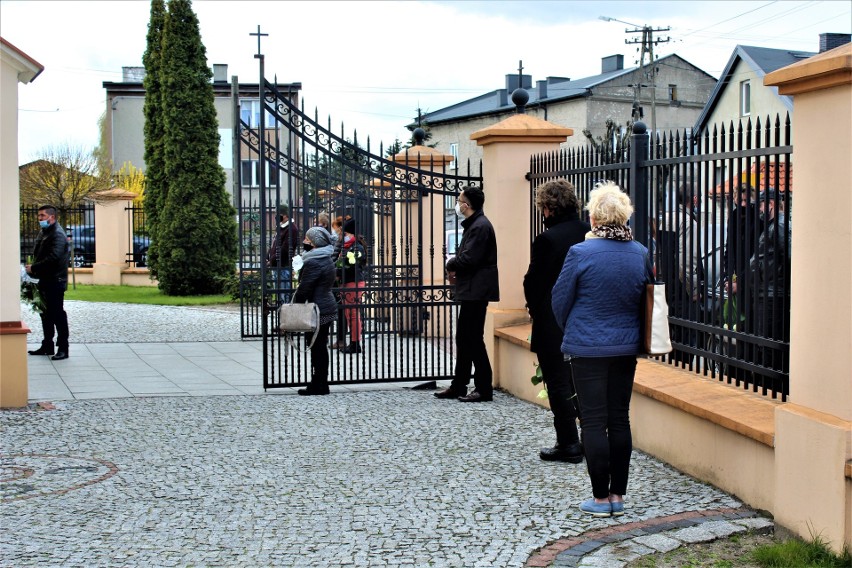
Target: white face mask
458, 211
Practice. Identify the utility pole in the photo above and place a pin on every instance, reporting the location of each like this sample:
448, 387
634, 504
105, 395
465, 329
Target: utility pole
648, 42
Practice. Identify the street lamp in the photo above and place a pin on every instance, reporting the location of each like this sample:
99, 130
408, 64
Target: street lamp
608, 19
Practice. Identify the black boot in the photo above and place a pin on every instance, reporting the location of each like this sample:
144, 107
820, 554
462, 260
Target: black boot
353, 347
571, 453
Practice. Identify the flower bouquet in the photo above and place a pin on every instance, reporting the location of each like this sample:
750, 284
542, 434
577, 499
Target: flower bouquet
29, 292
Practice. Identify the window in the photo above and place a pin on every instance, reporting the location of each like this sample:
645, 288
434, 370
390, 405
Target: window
250, 174
454, 152
745, 98
672, 93
250, 113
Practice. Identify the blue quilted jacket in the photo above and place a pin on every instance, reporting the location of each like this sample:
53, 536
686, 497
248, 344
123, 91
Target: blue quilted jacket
597, 298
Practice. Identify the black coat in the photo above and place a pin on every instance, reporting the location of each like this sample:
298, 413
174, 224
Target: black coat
316, 280
283, 247
51, 255
475, 263
547, 257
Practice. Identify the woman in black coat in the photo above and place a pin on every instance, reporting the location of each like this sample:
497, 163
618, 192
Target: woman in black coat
561, 210
316, 279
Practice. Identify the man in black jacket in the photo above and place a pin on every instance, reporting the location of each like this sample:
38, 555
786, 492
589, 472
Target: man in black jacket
561, 210
282, 251
50, 266
475, 270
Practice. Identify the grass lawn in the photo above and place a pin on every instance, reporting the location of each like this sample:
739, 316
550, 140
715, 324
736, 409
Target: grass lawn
139, 295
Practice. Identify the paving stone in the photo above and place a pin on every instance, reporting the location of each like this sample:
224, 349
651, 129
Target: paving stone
659, 542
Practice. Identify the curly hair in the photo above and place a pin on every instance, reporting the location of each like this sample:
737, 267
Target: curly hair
558, 196
609, 205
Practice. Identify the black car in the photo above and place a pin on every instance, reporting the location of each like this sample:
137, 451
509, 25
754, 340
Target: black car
83, 243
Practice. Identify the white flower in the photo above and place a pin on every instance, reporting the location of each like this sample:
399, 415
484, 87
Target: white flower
298, 263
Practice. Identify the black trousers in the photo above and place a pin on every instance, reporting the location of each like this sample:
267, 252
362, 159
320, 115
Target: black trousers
54, 320
560, 392
604, 386
319, 358
470, 349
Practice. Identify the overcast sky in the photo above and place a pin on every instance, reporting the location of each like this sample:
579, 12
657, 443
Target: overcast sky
370, 65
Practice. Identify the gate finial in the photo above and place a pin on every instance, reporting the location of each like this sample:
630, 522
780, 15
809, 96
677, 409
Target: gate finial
520, 96
258, 55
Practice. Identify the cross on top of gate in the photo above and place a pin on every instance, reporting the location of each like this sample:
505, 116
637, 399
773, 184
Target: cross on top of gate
258, 34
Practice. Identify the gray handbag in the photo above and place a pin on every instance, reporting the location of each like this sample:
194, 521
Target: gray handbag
299, 318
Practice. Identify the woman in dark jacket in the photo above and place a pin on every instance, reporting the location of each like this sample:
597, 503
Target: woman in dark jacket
316, 279
596, 301
561, 211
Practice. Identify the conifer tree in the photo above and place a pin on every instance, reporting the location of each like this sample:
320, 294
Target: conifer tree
196, 227
155, 181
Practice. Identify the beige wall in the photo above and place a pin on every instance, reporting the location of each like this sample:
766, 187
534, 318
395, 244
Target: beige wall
15, 67
764, 100
10, 305
815, 431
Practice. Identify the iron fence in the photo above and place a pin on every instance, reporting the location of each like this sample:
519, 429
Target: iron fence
139, 236
715, 212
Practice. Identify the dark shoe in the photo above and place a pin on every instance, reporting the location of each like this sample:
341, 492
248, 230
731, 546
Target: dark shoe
573, 453
60, 355
311, 392
448, 393
353, 347
475, 397
41, 351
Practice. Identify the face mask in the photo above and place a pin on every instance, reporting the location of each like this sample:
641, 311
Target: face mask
44, 224
458, 211
348, 239
307, 246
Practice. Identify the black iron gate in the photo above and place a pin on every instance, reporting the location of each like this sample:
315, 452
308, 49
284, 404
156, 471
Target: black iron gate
690, 196
399, 204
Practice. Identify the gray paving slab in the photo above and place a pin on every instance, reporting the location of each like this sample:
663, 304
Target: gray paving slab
181, 458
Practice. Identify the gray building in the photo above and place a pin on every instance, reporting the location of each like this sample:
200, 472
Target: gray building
680, 93
125, 121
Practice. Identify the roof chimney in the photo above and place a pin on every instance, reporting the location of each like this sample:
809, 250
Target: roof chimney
612, 63
541, 88
512, 82
220, 72
132, 74
830, 41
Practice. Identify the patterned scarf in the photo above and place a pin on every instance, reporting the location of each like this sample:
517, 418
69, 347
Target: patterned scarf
613, 232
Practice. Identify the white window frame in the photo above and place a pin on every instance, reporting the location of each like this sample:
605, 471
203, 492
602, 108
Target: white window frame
255, 174
745, 97
672, 92
454, 152
253, 108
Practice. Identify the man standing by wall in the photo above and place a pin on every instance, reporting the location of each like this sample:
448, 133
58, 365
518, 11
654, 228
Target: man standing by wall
561, 211
475, 270
50, 266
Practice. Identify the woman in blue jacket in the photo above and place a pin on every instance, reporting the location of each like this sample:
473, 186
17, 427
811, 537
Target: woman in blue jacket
596, 301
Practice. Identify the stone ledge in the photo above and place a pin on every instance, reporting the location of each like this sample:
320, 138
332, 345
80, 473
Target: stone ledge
730, 407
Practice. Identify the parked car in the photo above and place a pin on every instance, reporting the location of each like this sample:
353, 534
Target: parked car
83, 243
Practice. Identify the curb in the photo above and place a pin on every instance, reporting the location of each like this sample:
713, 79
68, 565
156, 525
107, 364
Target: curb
649, 537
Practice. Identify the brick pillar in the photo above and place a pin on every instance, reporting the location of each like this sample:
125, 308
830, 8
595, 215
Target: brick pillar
507, 147
112, 235
813, 432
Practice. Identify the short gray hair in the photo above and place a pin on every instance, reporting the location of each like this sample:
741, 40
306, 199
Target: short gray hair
609, 205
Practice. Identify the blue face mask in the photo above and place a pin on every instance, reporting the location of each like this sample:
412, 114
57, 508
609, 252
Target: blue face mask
44, 224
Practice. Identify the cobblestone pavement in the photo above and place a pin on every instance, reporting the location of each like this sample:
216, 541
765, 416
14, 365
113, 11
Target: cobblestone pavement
391, 477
